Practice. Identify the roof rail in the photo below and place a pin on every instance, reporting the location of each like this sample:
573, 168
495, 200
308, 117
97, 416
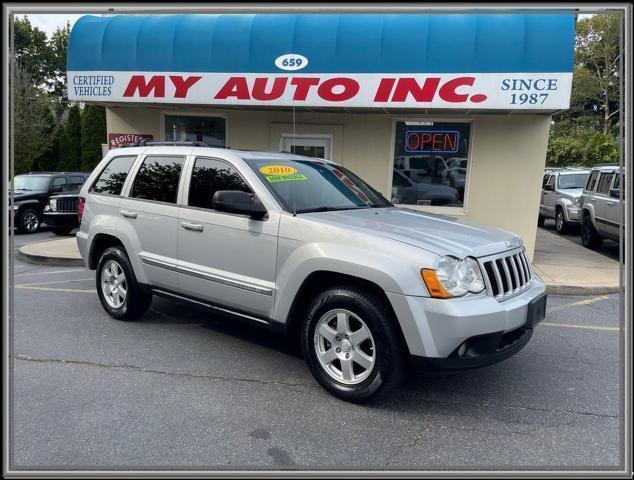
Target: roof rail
146, 142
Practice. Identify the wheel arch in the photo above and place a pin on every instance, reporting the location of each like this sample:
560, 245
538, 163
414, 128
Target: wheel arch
99, 244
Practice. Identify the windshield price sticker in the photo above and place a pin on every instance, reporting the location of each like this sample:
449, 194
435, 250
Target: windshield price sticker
281, 173
278, 170
285, 178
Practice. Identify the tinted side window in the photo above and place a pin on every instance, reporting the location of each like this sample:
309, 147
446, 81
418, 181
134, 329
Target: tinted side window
551, 181
545, 180
58, 182
76, 182
592, 181
208, 177
113, 176
157, 179
604, 183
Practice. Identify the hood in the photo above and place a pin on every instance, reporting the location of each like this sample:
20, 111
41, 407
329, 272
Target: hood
20, 196
571, 193
436, 233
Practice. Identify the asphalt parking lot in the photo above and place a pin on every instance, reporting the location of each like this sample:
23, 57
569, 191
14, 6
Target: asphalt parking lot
183, 389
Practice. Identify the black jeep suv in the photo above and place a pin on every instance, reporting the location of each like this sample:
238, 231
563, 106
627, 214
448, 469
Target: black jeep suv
32, 191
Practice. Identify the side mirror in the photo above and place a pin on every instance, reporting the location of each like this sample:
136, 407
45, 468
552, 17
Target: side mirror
615, 192
57, 188
235, 201
549, 188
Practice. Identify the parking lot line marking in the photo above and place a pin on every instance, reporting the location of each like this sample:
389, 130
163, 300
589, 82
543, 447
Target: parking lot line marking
587, 327
53, 283
75, 290
588, 301
48, 272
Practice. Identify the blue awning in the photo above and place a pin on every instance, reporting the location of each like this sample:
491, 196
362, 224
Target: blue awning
334, 43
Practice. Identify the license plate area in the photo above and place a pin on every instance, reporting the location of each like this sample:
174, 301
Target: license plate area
536, 310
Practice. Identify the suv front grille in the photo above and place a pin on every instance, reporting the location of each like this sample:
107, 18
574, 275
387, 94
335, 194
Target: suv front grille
67, 205
506, 274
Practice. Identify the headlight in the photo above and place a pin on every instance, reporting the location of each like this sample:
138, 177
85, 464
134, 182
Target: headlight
454, 278
53, 204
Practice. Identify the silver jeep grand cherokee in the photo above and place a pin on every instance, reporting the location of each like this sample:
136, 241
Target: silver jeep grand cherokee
305, 247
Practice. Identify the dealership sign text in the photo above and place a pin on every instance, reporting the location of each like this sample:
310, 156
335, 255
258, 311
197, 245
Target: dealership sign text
546, 91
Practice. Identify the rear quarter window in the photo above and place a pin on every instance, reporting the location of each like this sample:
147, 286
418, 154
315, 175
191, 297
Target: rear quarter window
112, 178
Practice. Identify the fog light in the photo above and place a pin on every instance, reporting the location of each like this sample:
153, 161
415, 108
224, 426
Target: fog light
461, 349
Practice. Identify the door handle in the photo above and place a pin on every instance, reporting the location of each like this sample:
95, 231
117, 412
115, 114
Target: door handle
609, 204
128, 213
194, 227
593, 200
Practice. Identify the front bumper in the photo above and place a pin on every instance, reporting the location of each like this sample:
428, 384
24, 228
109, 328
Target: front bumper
61, 219
435, 329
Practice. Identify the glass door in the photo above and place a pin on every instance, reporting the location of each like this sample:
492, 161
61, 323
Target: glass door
319, 146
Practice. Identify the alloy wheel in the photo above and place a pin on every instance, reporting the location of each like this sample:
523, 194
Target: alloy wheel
344, 346
113, 284
30, 221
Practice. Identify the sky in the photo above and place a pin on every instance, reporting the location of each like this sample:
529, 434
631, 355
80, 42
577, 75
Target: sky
49, 22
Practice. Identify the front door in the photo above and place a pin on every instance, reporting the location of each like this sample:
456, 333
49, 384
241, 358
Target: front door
614, 210
224, 258
318, 146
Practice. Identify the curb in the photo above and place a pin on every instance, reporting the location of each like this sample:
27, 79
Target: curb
48, 260
583, 290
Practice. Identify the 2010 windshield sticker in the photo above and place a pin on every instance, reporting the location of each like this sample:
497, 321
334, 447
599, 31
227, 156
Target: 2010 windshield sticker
278, 170
281, 173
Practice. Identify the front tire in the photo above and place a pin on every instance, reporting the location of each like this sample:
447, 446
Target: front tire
119, 292
540, 221
560, 222
29, 221
589, 235
352, 345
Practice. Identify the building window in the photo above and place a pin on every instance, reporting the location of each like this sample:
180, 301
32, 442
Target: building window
181, 128
430, 163
157, 179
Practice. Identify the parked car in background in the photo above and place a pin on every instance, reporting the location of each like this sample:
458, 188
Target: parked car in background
303, 246
561, 191
409, 192
31, 193
602, 206
60, 215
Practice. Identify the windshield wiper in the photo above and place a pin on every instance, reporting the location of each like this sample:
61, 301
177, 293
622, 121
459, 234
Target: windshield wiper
328, 209
24, 189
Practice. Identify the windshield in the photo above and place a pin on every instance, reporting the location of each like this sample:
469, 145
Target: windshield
310, 186
28, 183
573, 180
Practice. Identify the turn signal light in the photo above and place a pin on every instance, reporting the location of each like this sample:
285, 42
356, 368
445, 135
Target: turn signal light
434, 286
80, 208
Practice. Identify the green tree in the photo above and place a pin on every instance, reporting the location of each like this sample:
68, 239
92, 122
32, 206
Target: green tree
49, 154
58, 51
31, 50
585, 134
29, 125
93, 134
70, 144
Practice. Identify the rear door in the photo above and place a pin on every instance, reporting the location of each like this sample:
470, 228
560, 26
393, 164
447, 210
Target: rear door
600, 200
151, 210
225, 258
549, 198
614, 209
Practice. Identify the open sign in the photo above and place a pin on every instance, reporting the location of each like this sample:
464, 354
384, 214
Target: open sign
432, 141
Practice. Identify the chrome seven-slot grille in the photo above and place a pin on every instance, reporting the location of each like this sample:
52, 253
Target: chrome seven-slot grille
67, 204
507, 274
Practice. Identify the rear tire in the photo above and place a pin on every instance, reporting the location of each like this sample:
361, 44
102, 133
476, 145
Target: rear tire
590, 238
119, 292
560, 222
352, 344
